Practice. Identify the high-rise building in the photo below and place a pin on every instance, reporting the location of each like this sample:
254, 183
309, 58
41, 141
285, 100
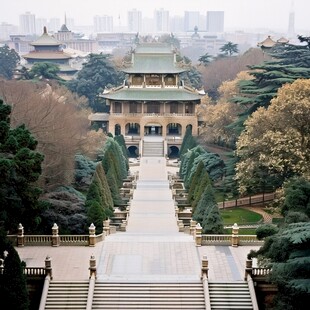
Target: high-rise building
27, 23
161, 18
134, 20
103, 23
6, 30
177, 24
54, 24
191, 20
40, 24
291, 21
215, 21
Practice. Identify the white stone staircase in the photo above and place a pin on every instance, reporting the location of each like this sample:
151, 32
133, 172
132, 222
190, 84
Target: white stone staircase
230, 295
125, 296
153, 148
67, 295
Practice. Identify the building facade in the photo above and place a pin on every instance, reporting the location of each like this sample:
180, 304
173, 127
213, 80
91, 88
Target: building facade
153, 101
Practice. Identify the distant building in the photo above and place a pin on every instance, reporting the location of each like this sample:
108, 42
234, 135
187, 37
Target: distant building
103, 23
27, 23
291, 22
162, 23
191, 20
6, 30
134, 21
215, 21
48, 49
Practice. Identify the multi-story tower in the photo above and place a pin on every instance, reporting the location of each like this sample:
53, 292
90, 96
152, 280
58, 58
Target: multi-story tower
153, 101
103, 23
291, 22
134, 21
191, 20
215, 21
162, 23
27, 23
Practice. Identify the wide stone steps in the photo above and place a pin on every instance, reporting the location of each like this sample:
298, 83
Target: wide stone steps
67, 295
148, 296
153, 149
233, 295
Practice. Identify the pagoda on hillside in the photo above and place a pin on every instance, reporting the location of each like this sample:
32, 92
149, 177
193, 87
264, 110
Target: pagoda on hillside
48, 49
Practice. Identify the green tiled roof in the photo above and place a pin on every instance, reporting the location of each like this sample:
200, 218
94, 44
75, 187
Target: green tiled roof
152, 94
153, 48
46, 40
154, 64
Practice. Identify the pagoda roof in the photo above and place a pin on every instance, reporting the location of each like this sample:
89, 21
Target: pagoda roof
45, 40
153, 48
153, 63
152, 94
48, 55
268, 42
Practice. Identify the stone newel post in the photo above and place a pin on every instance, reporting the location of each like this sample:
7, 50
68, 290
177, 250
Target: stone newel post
235, 235
48, 267
92, 267
248, 268
204, 266
198, 236
55, 236
20, 236
92, 236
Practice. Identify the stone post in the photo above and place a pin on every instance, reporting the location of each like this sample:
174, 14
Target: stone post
176, 211
248, 268
198, 236
180, 225
192, 227
204, 266
55, 236
20, 235
92, 267
235, 235
92, 236
123, 225
48, 267
106, 227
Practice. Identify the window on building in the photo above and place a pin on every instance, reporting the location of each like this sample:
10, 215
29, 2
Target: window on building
117, 107
153, 107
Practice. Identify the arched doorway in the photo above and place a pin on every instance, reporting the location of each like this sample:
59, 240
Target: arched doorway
117, 130
133, 151
174, 129
173, 151
153, 129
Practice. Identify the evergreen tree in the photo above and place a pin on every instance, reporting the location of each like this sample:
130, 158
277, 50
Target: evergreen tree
289, 257
213, 222
188, 141
229, 49
8, 62
13, 286
20, 168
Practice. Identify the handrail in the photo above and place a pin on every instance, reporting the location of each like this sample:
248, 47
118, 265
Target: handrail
91, 289
206, 291
252, 292
45, 292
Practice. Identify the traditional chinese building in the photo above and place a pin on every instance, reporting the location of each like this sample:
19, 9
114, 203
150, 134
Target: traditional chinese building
49, 49
153, 101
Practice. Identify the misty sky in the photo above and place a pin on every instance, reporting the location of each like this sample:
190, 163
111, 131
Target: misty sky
241, 14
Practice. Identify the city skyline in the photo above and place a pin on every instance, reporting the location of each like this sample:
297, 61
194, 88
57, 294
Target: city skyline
239, 14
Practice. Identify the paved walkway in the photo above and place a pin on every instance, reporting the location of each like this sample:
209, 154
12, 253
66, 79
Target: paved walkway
151, 250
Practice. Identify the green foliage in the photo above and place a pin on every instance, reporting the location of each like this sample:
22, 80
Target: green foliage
205, 59
84, 171
188, 141
99, 202
13, 287
8, 62
289, 254
297, 196
240, 216
295, 217
266, 230
97, 73
205, 203
45, 70
229, 49
20, 168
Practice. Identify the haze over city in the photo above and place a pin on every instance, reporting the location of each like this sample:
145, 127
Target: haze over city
239, 14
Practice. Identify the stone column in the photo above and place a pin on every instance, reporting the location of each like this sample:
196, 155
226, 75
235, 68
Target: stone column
92, 267
192, 227
20, 236
92, 236
204, 266
55, 236
248, 268
48, 267
106, 227
235, 235
198, 236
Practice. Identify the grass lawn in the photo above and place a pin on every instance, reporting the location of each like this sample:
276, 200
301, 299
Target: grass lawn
240, 216
242, 231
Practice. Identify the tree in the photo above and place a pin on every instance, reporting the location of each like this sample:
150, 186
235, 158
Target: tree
229, 49
45, 70
8, 62
57, 119
276, 140
13, 286
205, 59
188, 141
97, 73
20, 168
287, 253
